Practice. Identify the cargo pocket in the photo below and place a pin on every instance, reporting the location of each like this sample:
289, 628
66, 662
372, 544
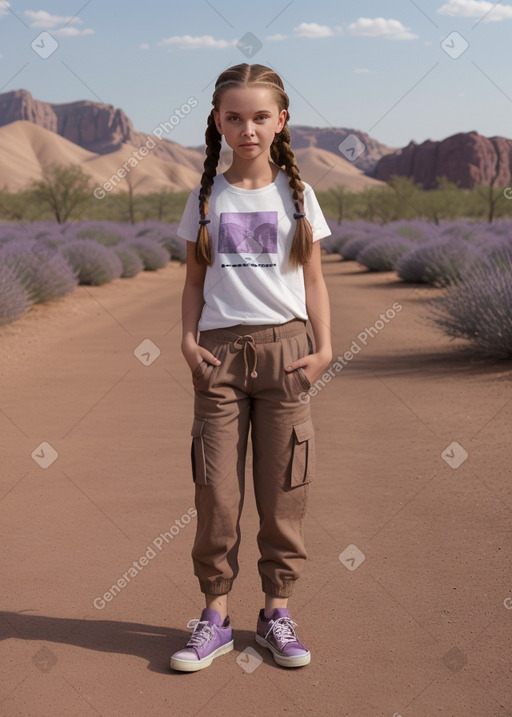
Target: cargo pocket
303, 458
197, 453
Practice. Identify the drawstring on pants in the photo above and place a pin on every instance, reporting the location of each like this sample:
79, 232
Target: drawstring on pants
245, 342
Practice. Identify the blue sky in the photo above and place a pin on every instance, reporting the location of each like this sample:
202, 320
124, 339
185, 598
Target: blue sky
369, 65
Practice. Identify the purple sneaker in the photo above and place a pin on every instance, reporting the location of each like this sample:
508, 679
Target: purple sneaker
277, 633
211, 638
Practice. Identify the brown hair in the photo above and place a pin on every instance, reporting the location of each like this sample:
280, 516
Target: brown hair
245, 75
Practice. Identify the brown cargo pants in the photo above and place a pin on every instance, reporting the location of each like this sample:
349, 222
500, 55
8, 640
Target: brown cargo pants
251, 388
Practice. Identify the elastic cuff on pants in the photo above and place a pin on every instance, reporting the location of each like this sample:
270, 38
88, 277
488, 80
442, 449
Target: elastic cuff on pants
220, 586
272, 589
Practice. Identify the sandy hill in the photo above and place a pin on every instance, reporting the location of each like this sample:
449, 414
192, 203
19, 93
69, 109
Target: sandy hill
323, 170
26, 148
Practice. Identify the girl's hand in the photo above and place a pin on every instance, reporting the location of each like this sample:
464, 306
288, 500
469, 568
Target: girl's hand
195, 354
312, 364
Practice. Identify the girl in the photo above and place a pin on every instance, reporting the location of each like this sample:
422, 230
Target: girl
253, 279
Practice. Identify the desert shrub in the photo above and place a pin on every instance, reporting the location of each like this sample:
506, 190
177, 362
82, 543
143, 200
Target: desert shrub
14, 298
94, 264
153, 254
41, 270
383, 254
439, 262
132, 263
350, 249
479, 308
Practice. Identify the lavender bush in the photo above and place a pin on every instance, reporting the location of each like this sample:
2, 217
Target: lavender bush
153, 254
14, 298
383, 254
439, 262
479, 308
94, 264
166, 235
132, 263
41, 270
350, 249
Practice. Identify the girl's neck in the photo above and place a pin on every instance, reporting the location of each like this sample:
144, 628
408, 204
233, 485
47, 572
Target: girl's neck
252, 174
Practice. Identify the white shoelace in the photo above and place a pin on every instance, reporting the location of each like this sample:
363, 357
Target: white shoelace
283, 629
203, 632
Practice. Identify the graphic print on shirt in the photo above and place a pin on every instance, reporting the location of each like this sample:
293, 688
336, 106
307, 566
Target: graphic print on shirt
248, 235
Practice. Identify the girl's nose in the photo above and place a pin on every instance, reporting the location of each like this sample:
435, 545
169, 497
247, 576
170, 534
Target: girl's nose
248, 129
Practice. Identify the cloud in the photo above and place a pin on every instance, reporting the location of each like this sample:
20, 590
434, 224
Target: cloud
362, 71
276, 38
188, 42
72, 31
380, 27
4, 8
477, 8
313, 30
43, 19
144, 46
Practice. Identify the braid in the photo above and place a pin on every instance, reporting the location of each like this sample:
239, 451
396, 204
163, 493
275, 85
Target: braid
213, 147
281, 153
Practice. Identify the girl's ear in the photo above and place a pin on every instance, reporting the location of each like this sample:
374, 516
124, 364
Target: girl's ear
216, 117
283, 116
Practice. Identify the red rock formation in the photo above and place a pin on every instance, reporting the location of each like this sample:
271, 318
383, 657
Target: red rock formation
20, 105
94, 126
467, 159
97, 127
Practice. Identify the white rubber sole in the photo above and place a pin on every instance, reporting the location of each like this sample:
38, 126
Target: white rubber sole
281, 659
195, 665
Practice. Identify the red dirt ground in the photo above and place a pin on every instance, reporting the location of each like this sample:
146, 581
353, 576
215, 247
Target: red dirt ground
420, 627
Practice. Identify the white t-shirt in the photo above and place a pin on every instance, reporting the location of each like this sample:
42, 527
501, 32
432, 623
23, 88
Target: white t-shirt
250, 280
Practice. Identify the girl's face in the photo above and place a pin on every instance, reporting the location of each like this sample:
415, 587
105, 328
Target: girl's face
249, 118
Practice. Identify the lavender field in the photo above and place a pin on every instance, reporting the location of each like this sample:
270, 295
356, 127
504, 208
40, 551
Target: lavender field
472, 261
41, 261
44, 260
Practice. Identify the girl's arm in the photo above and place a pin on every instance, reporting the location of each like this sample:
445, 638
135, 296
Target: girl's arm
319, 312
192, 302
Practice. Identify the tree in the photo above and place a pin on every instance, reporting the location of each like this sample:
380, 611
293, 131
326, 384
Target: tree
66, 190
492, 196
339, 195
